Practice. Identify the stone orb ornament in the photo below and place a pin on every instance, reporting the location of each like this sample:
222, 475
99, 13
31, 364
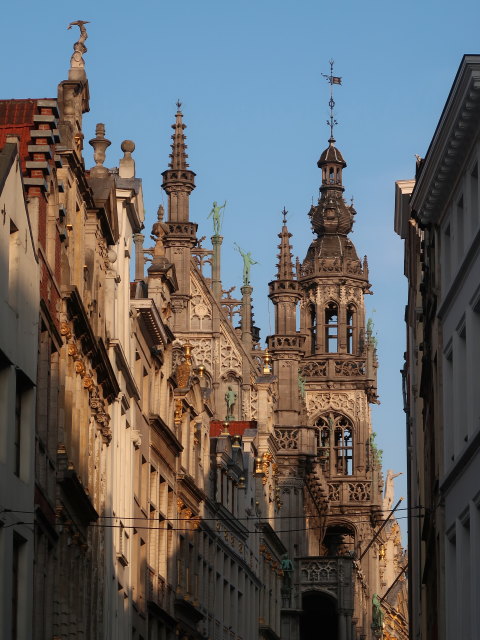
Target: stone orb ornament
128, 146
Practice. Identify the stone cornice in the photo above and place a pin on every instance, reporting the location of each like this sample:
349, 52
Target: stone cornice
166, 434
153, 321
124, 367
91, 345
450, 144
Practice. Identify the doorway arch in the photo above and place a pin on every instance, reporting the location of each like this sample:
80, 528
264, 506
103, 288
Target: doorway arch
319, 619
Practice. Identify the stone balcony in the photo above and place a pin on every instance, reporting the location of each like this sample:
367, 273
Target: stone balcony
334, 369
334, 574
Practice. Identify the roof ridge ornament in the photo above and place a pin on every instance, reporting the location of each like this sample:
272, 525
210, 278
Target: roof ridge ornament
331, 122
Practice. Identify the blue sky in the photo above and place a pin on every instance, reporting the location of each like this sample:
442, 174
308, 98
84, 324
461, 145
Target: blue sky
249, 76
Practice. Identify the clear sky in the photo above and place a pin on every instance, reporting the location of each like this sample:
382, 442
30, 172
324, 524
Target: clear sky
249, 76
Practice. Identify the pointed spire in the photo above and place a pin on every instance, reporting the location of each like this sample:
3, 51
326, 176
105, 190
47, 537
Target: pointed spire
178, 179
178, 156
285, 264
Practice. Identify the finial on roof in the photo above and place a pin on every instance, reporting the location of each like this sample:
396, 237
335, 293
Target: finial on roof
127, 163
331, 122
284, 213
179, 106
100, 145
79, 48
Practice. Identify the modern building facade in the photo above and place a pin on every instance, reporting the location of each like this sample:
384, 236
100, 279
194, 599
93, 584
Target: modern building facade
438, 217
183, 481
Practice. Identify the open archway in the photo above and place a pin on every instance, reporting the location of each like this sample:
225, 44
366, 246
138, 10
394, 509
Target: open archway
318, 619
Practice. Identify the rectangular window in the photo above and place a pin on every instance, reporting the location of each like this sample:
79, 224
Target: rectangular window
474, 213
17, 550
21, 387
460, 232
448, 407
447, 256
13, 254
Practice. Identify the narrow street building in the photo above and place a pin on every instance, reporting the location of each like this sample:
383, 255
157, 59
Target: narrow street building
438, 217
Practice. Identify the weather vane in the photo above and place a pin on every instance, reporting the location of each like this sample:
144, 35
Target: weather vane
331, 122
284, 213
179, 105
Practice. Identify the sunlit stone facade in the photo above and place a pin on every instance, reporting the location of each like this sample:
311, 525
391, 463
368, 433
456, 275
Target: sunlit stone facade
183, 481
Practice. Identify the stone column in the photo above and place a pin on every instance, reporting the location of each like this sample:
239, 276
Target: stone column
216, 271
342, 625
247, 317
138, 239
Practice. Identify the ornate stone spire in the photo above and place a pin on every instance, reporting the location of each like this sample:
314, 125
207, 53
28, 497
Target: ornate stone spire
285, 264
178, 180
178, 157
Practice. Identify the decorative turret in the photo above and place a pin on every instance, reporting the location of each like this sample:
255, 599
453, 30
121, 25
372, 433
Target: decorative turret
286, 344
180, 239
332, 252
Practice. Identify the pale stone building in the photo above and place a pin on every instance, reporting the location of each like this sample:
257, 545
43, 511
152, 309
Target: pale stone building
19, 299
438, 216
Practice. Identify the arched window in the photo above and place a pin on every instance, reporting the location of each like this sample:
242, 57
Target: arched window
350, 327
339, 540
331, 328
335, 444
332, 175
313, 328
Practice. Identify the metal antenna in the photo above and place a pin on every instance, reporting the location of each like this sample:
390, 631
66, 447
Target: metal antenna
331, 122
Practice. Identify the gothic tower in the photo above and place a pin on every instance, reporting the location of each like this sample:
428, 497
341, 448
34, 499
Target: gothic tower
286, 345
329, 465
179, 182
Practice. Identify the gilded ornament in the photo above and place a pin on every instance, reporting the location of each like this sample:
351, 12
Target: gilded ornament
65, 330
80, 367
72, 349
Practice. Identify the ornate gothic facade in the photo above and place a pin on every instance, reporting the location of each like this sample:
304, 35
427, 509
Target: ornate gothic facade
175, 479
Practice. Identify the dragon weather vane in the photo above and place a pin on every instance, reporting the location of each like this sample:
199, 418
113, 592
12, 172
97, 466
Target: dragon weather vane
331, 122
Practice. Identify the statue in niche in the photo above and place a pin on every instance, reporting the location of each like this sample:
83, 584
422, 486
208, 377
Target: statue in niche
230, 399
216, 215
286, 590
377, 613
247, 263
